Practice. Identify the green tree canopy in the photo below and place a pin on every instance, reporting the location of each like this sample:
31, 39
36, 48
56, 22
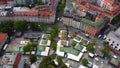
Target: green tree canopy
6, 27
61, 6
73, 43
47, 62
53, 45
40, 2
54, 32
26, 48
53, 56
29, 47
33, 58
90, 47
20, 25
104, 42
42, 25
105, 51
34, 26
85, 61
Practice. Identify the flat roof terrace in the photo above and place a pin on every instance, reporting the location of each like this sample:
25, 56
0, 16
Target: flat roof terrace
70, 50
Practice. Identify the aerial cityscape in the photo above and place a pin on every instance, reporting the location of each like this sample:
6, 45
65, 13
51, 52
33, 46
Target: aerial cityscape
59, 33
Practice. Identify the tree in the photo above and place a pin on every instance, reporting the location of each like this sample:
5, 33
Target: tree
115, 19
59, 60
85, 61
46, 61
63, 65
105, 43
29, 47
105, 51
53, 45
61, 6
54, 31
40, 2
42, 25
26, 48
34, 26
73, 43
53, 56
90, 47
7, 27
33, 58
20, 25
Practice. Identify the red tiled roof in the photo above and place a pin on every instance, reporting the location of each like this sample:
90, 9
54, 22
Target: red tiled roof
39, 10
93, 7
16, 62
2, 37
109, 1
82, 8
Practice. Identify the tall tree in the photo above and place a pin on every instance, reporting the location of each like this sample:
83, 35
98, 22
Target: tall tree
90, 47
85, 61
42, 25
20, 25
105, 51
105, 43
7, 27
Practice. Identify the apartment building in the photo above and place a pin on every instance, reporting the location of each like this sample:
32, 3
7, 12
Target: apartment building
38, 13
80, 17
107, 8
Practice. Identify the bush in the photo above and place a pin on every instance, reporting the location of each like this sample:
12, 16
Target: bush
73, 43
85, 61
105, 51
90, 47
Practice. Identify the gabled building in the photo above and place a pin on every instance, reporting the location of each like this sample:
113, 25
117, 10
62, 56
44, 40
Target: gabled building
45, 13
107, 8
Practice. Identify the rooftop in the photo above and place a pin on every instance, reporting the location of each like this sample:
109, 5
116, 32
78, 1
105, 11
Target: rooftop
97, 8
69, 50
8, 60
115, 36
79, 47
2, 37
96, 24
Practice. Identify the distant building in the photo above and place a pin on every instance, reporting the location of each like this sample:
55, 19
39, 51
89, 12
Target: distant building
45, 13
107, 8
107, 4
3, 38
